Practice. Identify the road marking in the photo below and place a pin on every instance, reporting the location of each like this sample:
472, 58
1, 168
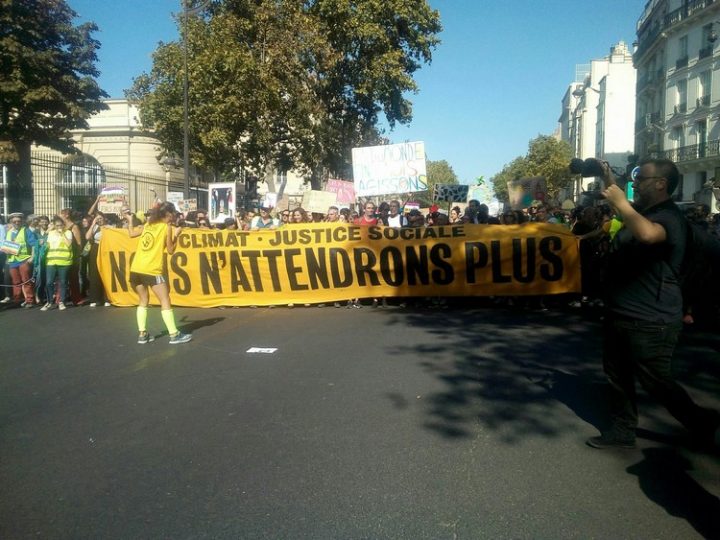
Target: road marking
264, 350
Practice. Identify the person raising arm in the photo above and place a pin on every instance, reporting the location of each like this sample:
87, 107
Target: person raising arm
157, 237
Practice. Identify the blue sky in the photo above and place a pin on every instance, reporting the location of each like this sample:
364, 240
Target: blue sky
495, 82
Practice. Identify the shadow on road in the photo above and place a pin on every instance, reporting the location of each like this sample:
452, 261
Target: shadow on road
508, 374
663, 477
188, 326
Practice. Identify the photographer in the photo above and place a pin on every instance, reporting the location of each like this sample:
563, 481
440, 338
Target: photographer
644, 304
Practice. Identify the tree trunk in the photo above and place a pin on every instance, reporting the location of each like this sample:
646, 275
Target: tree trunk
316, 179
19, 181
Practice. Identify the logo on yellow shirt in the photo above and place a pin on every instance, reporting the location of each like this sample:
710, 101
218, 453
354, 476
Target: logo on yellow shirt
147, 241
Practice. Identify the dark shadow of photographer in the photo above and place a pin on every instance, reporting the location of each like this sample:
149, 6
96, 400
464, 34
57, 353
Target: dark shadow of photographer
663, 477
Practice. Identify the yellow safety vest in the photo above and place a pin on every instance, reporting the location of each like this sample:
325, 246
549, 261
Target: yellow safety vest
58, 253
24, 252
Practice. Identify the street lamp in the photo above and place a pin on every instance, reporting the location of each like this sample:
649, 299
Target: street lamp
187, 11
580, 92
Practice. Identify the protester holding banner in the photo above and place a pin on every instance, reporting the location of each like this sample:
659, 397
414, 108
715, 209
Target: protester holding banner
263, 221
332, 215
299, 216
19, 245
455, 215
284, 218
394, 218
147, 270
368, 219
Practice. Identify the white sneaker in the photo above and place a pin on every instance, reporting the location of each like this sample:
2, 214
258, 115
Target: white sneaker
6, 300
46, 307
107, 304
93, 304
61, 306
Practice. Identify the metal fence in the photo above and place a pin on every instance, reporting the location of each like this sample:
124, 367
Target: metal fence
75, 181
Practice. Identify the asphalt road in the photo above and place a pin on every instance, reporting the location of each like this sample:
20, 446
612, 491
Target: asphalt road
365, 423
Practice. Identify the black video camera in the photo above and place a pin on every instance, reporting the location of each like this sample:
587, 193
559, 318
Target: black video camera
588, 168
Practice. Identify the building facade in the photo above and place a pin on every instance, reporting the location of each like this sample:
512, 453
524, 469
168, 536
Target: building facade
678, 94
598, 112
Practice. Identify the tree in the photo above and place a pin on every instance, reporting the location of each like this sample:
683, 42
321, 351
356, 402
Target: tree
288, 83
438, 172
549, 157
546, 157
47, 84
516, 169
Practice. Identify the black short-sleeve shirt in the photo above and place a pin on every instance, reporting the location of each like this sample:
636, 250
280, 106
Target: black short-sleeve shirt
643, 279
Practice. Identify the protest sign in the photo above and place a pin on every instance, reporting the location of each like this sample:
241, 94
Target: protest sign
222, 201
389, 169
318, 201
181, 205
345, 191
175, 197
450, 193
328, 262
270, 200
524, 191
111, 200
411, 205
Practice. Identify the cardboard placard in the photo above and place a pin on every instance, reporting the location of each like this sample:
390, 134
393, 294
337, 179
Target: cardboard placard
344, 190
318, 201
111, 200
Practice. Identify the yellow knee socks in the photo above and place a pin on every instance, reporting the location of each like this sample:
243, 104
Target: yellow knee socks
141, 315
169, 319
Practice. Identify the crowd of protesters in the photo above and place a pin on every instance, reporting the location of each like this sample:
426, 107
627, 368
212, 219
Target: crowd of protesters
56, 264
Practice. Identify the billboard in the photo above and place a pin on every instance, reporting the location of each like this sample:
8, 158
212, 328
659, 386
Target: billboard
389, 169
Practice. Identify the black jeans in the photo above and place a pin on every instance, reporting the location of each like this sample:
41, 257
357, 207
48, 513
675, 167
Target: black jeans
642, 351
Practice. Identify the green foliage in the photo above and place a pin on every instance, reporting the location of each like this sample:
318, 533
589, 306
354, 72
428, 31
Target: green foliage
517, 168
288, 83
438, 172
47, 75
546, 157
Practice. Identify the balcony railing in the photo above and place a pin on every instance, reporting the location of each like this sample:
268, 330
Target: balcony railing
705, 52
672, 18
646, 120
703, 101
681, 108
694, 151
681, 62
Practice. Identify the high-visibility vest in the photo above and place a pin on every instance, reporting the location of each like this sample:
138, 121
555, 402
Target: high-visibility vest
58, 253
24, 252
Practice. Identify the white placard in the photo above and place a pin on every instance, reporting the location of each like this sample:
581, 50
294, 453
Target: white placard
389, 169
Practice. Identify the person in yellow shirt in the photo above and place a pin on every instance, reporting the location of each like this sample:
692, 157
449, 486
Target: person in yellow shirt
147, 271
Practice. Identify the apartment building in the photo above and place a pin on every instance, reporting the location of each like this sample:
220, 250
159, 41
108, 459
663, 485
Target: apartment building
599, 109
678, 95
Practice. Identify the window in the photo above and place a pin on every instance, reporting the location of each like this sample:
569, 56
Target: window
704, 81
678, 135
681, 102
682, 59
683, 46
701, 134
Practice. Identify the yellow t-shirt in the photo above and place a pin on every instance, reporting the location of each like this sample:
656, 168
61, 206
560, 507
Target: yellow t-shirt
150, 249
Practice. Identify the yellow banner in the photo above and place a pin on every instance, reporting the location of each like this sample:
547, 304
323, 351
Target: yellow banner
326, 263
